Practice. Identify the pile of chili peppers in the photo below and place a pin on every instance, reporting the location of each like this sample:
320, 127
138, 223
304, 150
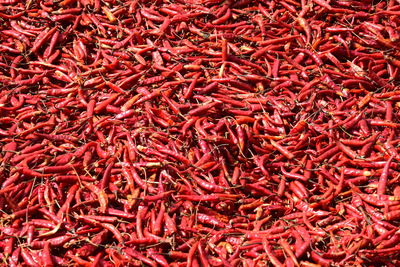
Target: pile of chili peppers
199, 133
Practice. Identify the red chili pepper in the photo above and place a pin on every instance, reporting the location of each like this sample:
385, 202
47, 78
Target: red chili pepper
43, 37
27, 257
254, 117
